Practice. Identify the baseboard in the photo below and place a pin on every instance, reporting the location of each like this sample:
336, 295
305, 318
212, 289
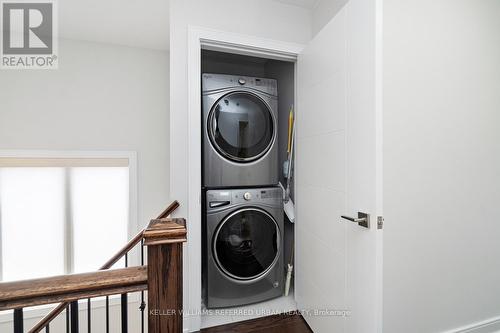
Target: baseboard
190, 325
491, 325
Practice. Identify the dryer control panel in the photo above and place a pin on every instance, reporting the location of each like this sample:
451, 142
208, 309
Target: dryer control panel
211, 82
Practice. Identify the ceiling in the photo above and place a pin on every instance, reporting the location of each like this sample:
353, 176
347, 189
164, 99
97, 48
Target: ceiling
136, 23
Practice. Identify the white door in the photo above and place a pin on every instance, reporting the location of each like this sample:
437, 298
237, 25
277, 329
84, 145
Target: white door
338, 141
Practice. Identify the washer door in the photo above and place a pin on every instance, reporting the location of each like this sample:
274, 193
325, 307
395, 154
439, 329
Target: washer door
241, 126
246, 244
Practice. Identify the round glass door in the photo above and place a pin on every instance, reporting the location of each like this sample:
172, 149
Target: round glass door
241, 126
246, 244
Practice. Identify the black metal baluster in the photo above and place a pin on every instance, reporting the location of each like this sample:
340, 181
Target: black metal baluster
107, 314
124, 305
74, 317
67, 320
89, 309
47, 329
18, 321
124, 313
143, 304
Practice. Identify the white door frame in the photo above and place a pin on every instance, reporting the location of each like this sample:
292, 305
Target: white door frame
199, 38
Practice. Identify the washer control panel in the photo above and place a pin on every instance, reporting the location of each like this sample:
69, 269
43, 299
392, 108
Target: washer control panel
221, 198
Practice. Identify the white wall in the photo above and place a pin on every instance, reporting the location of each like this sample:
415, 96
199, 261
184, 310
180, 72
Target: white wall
261, 18
102, 97
441, 164
324, 11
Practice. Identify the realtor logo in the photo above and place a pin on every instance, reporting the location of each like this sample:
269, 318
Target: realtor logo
29, 38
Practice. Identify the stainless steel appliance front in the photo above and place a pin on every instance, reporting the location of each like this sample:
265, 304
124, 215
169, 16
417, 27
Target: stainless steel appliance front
242, 252
239, 131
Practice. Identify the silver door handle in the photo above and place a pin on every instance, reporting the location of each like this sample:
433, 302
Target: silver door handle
362, 220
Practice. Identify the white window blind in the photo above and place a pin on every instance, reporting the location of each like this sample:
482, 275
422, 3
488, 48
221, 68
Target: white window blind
32, 222
61, 215
99, 202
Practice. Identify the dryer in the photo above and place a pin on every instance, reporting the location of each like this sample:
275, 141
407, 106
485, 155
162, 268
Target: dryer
240, 123
242, 250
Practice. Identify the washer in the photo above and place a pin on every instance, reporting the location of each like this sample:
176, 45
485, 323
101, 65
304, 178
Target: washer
240, 122
242, 250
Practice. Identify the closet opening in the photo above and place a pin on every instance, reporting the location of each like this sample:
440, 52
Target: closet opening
247, 119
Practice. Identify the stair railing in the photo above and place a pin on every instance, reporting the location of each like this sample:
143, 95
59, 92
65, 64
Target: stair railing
162, 277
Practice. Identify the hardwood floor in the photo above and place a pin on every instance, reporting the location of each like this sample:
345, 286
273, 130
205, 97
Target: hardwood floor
271, 324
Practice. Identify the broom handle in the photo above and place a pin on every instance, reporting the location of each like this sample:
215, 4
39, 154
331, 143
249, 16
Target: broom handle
290, 122
290, 159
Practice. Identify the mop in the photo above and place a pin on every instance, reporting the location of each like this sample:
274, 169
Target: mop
288, 204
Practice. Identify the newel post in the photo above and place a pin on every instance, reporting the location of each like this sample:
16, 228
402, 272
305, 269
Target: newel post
164, 238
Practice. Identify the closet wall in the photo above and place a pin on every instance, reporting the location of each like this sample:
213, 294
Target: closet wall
284, 72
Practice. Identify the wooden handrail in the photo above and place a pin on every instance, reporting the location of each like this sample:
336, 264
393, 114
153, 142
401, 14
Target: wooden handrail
114, 259
125, 249
134, 241
67, 288
169, 210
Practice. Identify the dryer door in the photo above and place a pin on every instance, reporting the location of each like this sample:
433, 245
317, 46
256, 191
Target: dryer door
246, 244
241, 126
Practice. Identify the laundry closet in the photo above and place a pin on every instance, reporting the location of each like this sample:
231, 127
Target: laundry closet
334, 82
247, 166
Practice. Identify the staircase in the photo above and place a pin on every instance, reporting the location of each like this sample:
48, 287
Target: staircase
161, 277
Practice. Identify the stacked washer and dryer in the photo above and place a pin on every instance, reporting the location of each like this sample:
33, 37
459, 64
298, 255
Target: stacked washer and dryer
243, 212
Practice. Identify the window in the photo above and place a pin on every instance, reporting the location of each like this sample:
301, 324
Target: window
99, 202
60, 215
32, 222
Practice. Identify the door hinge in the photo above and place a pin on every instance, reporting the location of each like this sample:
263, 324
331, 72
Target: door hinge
380, 222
